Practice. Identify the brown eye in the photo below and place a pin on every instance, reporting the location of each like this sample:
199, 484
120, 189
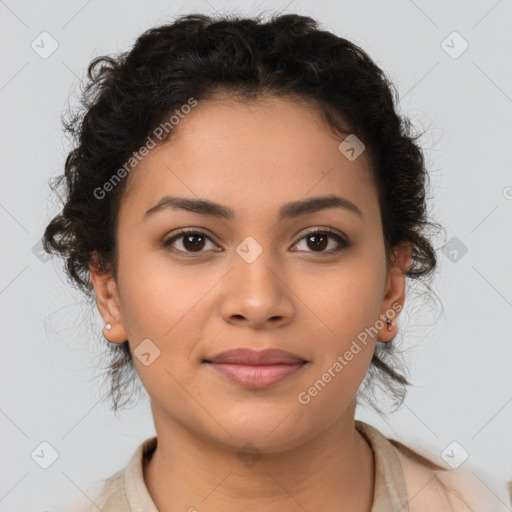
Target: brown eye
318, 240
191, 241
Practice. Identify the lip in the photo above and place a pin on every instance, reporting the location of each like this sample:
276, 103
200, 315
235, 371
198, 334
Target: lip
256, 369
247, 356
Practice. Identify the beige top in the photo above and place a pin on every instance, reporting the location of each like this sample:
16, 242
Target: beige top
402, 484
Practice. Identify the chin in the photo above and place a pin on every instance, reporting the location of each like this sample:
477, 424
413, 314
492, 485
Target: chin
272, 433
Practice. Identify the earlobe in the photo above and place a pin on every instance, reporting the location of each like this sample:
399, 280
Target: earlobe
389, 329
108, 303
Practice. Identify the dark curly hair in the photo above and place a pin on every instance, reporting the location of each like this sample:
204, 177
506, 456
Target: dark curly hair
197, 56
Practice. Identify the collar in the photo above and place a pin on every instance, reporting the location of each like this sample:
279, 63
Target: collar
390, 493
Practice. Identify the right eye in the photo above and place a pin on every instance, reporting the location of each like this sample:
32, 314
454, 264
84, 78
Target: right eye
192, 241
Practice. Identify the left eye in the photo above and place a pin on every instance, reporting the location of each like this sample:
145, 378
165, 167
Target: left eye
323, 236
194, 241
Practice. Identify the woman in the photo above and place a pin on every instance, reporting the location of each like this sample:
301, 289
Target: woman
245, 205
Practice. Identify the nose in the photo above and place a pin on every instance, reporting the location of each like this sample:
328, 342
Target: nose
256, 295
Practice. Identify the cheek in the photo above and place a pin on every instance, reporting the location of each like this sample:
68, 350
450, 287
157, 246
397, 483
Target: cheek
347, 302
157, 296
350, 308
165, 310
347, 307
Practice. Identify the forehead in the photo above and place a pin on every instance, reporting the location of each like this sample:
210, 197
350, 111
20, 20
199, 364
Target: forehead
246, 154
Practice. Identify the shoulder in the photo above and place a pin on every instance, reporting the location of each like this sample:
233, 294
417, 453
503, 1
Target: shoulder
122, 490
126, 490
452, 490
112, 495
103, 495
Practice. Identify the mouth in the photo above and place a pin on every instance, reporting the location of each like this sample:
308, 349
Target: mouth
254, 369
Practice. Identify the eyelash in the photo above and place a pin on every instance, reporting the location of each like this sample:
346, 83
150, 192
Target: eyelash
343, 243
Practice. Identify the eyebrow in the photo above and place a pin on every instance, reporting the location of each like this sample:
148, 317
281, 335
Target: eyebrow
287, 211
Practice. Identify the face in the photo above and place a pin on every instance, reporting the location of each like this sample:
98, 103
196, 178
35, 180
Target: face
259, 278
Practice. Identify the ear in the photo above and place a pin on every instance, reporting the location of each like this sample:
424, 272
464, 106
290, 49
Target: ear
394, 297
108, 302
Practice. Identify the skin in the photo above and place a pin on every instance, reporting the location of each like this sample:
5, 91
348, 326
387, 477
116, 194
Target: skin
252, 158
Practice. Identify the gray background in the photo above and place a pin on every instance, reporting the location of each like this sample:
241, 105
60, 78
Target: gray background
459, 359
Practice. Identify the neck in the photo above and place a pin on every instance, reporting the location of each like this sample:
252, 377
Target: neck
334, 471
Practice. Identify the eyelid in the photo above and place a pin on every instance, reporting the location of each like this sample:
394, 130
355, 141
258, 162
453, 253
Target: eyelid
322, 229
